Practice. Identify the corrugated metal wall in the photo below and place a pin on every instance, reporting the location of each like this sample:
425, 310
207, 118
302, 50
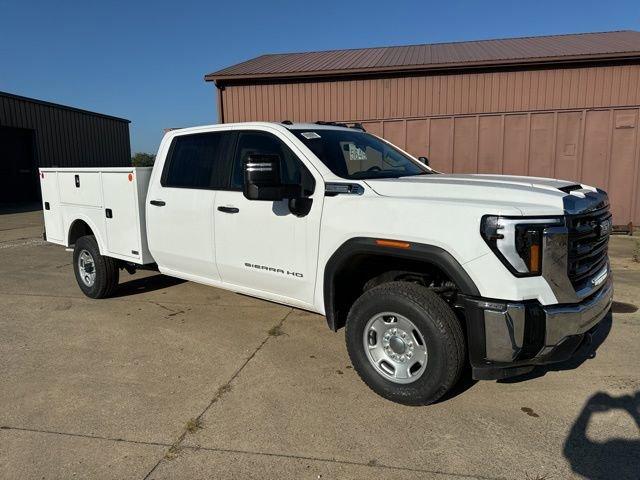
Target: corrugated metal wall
66, 137
573, 123
597, 147
421, 96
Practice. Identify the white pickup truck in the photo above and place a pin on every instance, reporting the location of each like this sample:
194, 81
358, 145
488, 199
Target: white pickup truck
428, 272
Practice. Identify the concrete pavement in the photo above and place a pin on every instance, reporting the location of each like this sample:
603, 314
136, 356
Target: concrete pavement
171, 379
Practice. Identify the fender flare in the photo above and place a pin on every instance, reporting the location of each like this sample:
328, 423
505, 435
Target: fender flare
436, 256
96, 232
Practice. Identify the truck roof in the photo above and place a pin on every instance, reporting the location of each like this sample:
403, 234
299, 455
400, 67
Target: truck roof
285, 123
319, 126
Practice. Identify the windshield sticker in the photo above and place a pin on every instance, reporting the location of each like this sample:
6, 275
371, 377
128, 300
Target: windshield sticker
356, 153
310, 135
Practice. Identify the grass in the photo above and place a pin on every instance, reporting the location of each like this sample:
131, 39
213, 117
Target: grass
276, 331
226, 388
194, 425
172, 453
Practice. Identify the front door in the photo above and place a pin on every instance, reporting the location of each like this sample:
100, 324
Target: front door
261, 245
180, 206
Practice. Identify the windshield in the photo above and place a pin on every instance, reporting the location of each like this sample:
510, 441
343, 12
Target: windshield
358, 155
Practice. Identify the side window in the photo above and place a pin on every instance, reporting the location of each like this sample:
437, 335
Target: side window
292, 170
198, 161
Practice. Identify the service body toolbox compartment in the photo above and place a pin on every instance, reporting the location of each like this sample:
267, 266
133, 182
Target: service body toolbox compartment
111, 201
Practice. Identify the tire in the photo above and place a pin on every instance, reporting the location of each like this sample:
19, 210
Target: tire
97, 276
432, 373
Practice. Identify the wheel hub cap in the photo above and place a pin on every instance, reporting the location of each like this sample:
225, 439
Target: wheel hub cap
395, 347
395, 344
86, 268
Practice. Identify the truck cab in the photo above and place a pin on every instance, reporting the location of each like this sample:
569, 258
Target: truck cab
202, 227
429, 273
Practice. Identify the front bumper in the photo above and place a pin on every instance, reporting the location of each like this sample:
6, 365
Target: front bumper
510, 338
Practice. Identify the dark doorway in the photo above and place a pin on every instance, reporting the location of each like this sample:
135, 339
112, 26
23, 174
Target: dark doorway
18, 169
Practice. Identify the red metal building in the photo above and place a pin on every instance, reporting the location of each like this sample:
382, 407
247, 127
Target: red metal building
563, 106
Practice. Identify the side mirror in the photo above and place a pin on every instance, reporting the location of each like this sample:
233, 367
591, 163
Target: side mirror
424, 160
262, 178
262, 182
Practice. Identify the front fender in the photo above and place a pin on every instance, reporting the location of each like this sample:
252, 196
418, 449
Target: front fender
430, 254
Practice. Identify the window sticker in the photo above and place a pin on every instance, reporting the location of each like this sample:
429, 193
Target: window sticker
356, 153
310, 135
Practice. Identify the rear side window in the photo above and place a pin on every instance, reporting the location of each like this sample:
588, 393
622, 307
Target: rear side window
199, 161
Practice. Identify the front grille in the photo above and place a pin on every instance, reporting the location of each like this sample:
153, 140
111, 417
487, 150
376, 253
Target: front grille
588, 244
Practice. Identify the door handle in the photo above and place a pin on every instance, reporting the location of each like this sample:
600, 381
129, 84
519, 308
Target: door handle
228, 209
157, 203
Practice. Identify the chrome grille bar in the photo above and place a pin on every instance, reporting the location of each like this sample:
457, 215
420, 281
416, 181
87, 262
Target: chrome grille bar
587, 245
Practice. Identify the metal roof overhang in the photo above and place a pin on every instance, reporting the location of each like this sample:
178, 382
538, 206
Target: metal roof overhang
223, 79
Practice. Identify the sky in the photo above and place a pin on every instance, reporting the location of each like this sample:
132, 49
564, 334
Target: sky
145, 60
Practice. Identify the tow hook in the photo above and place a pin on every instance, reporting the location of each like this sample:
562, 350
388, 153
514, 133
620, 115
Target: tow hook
588, 338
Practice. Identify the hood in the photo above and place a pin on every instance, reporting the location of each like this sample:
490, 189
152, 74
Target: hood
529, 195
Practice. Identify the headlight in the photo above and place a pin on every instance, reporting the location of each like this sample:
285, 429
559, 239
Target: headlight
517, 241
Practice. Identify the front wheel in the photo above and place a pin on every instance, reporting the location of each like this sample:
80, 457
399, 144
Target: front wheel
97, 276
405, 342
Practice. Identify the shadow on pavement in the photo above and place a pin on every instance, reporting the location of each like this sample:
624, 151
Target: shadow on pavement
623, 307
586, 352
617, 458
146, 284
6, 208
465, 383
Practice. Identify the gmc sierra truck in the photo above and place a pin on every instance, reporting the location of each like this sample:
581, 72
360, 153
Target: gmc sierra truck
427, 272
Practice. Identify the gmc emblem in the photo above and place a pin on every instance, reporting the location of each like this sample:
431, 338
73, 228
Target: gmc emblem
605, 227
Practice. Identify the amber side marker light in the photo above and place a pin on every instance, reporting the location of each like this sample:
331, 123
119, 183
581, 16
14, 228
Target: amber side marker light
534, 258
393, 244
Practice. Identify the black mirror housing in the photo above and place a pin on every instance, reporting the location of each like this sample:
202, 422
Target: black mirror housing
262, 178
424, 160
262, 182
300, 206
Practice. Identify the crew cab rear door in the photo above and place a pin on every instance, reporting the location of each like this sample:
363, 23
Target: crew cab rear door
261, 247
180, 204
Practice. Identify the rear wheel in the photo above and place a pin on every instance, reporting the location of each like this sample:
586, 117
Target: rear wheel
97, 276
405, 342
